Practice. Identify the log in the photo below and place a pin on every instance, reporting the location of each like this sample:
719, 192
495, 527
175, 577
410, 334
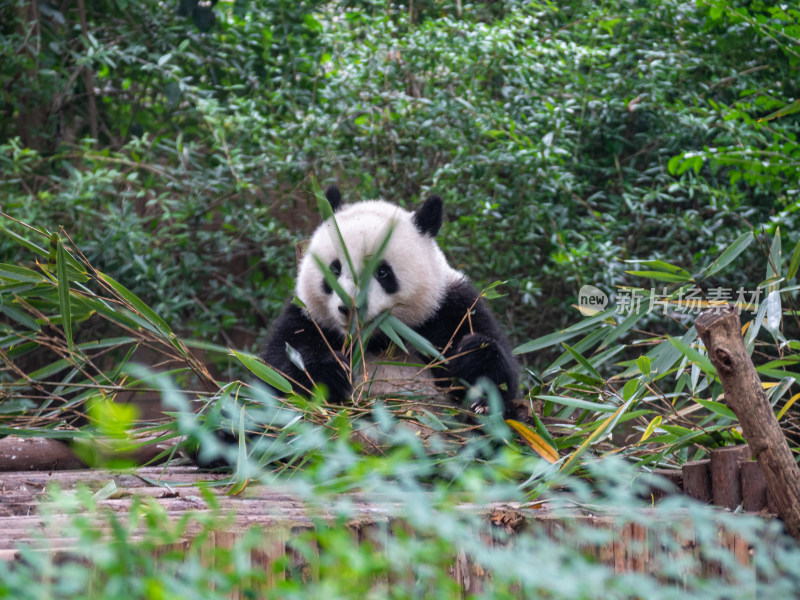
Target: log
770, 502
754, 488
720, 329
659, 491
45, 454
674, 476
36, 454
726, 479
697, 480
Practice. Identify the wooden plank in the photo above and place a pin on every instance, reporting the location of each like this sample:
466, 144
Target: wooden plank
284, 517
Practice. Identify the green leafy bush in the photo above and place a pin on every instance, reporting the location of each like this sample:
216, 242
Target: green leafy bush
427, 523
565, 139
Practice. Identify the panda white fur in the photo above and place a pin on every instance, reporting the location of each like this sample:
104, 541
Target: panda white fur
413, 282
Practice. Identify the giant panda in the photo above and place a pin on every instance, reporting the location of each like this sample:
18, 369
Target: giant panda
413, 282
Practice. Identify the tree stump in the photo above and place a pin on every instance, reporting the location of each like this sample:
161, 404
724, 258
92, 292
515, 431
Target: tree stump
720, 329
754, 488
726, 478
697, 480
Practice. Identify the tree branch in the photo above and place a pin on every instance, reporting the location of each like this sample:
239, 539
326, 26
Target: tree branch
720, 329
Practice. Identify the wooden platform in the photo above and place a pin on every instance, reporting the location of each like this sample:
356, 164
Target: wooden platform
282, 515
176, 489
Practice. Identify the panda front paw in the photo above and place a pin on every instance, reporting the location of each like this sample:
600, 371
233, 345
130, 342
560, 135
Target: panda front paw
480, 407
470, 358
332, 371
479, 356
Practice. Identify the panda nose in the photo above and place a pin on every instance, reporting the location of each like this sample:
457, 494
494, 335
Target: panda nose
344, 310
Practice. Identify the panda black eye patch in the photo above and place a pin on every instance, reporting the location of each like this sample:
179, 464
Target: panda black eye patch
386, 277
336, 268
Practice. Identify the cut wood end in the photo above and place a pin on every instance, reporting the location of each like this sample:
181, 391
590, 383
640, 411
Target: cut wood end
708, 318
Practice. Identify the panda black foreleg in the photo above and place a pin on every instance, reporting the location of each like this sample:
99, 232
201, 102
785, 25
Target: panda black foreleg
479, 356
318, 364
321, 364
327, 369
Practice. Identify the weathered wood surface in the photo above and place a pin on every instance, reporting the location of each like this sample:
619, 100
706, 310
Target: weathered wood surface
720, 329
282, 516
697, 480
729, 478
754, 487
31, 454
43, 454
726, 479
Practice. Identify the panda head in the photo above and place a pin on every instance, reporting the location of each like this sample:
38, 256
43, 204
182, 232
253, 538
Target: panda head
412, 276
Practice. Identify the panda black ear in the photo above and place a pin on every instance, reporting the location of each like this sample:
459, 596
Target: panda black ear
334, 197
428, 219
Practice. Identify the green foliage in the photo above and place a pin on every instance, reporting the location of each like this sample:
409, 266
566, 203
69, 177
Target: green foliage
565, 139
427, 523
54, 363
569, 140
666, 404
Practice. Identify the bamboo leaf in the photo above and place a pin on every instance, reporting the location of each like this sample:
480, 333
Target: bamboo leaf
371, 266
545, 341
63, 295
263, 372
774, 265
46, 371
727, 257
643, 362
413, 338
583, 362
326, 211
36, 249
20, 274
717, 408
20, 317
138, 306
535, 441
332, 281
386, 327
203, 345
794, 263
787, 406
777, 373
664, 356
627, 322
563, 335
749, 342
323, 206
662, 276
651, 427
777, 392
577, 403
52, 256
660, 265
789, 109
567, 467
694, 356
121, 316
629, 389
774, 311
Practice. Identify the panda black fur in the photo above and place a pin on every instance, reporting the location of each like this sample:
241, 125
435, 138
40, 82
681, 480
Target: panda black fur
413, 282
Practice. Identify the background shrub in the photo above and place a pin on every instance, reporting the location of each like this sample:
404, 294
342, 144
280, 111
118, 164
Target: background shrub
176, 146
